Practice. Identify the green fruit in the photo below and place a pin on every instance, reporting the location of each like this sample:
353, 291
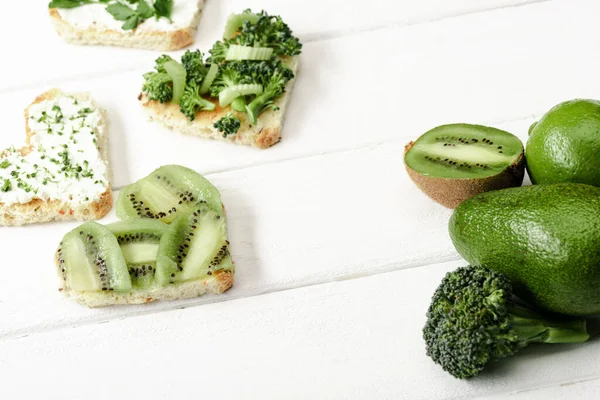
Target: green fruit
451, 163
90, 260
166, 192
544, 238
193, 247
564, 146
139, 240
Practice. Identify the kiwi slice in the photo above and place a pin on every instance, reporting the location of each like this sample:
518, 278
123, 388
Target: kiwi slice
89, 259
193, 247
452, 163
167, 191
139, 241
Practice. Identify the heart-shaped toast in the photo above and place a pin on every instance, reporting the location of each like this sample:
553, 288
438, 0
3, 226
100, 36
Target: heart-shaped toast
62, 171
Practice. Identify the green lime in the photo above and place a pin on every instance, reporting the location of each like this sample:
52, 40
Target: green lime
564, 145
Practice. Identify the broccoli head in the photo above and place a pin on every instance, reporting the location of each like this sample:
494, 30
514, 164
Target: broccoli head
273, 76
269, 31
158, 85
475, 318
231, 74
194, 66
161, 61
228, 125
266, 31
192, 103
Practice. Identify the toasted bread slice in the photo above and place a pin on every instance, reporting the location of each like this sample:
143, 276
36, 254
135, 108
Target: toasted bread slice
264, 134
91, 25
63, 206
217, 283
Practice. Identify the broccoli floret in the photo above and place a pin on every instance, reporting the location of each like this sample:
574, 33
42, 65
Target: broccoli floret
194, 66
219, 51
267, 31
160, 62
273, 76
228, 125
158, 86
475, 318
231, 74
191, 102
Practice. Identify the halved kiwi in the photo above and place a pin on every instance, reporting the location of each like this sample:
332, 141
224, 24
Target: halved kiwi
139, 241
452, 163
164, 193
193, 247
89, 259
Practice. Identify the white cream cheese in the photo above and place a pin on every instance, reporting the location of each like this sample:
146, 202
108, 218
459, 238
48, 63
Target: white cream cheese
64, 162
96, 16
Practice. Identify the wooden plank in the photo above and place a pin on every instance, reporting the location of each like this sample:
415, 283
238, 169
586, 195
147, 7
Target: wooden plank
291, 224
429, 75
43, 50
355, 339
587, 388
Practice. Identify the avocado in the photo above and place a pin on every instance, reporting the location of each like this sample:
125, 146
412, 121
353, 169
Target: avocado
563, 146
544, 238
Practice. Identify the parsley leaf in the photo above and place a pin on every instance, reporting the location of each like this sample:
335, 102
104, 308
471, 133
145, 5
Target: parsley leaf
163, 8
68, 3
121, 12
131, 22
144, 10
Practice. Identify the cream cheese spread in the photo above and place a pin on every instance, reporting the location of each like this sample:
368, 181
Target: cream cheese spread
63, 161
96, 16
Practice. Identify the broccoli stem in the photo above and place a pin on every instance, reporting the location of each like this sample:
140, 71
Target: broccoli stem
531, 327
239, 104
257, 105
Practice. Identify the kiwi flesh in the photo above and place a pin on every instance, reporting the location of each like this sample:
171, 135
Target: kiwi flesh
139, 241
194, 247
167, 191
89, 259
452, 163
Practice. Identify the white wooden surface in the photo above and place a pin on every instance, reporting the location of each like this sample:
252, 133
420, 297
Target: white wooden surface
337, 252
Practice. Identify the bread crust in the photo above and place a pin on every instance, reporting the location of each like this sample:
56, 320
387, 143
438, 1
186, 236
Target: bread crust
38, 210
217, 283
149, 40
265, 133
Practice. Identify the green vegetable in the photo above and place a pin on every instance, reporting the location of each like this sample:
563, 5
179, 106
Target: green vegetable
194, 66
239, 104
231, 74
192, 102
273, 82
158, 85
177, 73
209, 78
237, 52
266, 31
69, 3
544, 238
564, 145
4, 164
235, 21
228, 125
6, 186
231, 93
163, 8
475, 318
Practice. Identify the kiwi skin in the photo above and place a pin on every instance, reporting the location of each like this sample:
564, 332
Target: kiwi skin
450, 192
